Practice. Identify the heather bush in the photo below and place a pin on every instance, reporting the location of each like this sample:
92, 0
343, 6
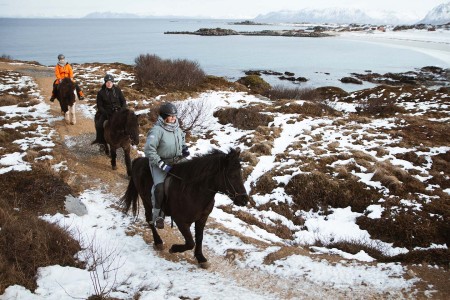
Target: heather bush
179, 74
248, 118
255, 83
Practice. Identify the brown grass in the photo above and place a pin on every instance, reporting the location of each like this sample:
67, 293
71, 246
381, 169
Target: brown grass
244, 118
27, 242
318, 191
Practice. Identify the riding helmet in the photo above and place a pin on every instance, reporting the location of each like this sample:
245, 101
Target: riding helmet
167, 109
61, 56
109, 77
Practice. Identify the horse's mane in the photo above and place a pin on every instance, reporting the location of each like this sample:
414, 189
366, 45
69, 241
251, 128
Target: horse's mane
119, 118
200, 168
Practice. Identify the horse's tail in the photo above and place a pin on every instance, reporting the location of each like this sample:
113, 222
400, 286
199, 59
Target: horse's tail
130, 198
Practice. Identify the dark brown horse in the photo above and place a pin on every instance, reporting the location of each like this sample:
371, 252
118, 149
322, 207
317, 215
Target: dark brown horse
66, 97
121, 131
189, 194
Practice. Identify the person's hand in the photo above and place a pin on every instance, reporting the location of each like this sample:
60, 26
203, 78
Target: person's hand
165, 167
185, 151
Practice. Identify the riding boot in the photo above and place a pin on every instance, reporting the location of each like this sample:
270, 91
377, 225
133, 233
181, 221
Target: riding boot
79, 92
157, 214
99, 130
54, 91
157, 218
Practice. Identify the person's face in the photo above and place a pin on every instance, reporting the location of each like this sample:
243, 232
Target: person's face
171, 119
109, 84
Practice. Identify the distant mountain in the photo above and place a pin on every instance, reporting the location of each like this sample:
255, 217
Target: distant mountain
338, 16
438, 15
110, 15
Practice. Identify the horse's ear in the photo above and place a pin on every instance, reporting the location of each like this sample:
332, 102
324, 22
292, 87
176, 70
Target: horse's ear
238, 151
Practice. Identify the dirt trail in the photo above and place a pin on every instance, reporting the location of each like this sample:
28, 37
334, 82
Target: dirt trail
91, 169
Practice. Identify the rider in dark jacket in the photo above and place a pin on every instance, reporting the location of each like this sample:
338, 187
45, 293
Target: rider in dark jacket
109, 100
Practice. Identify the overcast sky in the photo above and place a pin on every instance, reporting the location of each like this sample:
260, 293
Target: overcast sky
199, 8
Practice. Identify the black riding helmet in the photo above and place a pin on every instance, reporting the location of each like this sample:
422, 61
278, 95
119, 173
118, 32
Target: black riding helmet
109, 77
167, 109
61, 56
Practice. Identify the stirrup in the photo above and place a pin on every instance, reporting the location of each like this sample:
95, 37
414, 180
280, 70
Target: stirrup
159, 223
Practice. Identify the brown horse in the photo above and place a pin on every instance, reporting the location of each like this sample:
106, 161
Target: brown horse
66, 97
121, 131
189, 194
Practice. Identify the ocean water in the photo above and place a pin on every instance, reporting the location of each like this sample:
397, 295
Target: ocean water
322, 60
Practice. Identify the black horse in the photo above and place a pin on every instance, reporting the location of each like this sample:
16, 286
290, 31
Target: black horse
66, 97
121, 131
189, 194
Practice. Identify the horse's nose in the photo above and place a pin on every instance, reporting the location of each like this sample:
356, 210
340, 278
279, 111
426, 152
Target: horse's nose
242, 200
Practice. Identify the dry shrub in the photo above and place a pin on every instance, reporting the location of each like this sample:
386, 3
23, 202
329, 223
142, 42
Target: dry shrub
179, 74
279, 230
420, 131
279, 92
28, 243
29, 103
7, 100
249, 157
440, 257
406, 229
248, 118
330, 92
317, 191
41, 191
265, 184
399, 181
261, 148
355, 247
255, 83
381, 107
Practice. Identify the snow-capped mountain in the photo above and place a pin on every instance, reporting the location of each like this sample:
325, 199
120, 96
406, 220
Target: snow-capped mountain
110, 15
438, 15
339, 16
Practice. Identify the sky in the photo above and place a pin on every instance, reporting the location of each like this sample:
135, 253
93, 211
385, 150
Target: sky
200, 8
93, 220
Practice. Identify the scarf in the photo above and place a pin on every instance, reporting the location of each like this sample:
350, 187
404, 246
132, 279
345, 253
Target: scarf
167, 126
62, 63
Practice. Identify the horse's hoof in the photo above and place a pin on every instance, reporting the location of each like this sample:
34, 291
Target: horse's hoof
204, 265
114, 167
72, 123
159, 247
171, 250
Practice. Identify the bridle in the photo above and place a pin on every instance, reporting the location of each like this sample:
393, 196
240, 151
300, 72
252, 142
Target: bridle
233, 194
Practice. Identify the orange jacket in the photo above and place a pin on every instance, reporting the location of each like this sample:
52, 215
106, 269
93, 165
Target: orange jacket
62, 72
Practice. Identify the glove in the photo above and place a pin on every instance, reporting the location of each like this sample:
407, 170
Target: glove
163, 166
185, 151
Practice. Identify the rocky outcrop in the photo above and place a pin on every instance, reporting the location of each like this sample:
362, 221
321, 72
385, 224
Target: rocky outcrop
223, 32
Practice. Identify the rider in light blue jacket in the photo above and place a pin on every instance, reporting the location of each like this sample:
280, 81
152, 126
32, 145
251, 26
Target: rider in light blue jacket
164, 147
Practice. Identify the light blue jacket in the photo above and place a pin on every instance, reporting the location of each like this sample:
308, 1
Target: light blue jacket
165, 145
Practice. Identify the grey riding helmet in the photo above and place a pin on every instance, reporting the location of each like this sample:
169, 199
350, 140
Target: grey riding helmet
167, 109
61, 57
109, 77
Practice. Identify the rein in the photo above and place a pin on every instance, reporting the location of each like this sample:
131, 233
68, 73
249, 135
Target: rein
227, 183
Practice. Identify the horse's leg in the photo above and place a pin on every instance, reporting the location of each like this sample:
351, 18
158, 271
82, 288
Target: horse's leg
73, 119
126, 151
198, 253
189, 241
156, 238
113, 157
67, 117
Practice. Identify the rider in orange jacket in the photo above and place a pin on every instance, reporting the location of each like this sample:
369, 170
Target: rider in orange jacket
64, 69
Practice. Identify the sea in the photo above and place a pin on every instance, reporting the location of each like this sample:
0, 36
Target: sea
323, 61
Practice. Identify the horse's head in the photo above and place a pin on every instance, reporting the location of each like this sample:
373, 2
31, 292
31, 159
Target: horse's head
233, 182
132, 127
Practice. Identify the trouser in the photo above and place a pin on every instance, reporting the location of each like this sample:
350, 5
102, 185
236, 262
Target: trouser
157, 191
99, 130
55, 89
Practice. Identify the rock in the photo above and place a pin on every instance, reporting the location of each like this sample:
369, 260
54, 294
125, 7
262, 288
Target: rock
350, 80
301, 79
